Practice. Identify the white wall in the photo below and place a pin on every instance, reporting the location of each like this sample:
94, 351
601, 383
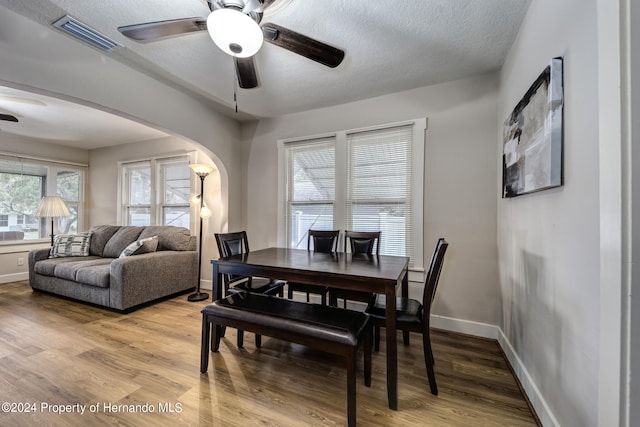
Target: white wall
460, 182
549, 241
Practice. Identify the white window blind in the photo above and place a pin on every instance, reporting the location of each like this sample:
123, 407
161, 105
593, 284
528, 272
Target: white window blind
379, 186
310, 189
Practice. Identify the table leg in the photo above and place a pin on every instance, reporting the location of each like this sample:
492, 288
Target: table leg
392, 349
216, 285
405, 294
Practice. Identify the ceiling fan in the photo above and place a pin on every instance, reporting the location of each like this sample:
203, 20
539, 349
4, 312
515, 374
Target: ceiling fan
234, 27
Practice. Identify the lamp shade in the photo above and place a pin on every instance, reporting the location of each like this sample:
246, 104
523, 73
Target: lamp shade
52, 206
202, 170
234, 32
205, 212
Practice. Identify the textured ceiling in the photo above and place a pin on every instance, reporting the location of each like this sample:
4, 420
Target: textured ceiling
390, 46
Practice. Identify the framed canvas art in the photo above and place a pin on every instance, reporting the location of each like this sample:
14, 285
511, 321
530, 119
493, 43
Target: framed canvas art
533, 134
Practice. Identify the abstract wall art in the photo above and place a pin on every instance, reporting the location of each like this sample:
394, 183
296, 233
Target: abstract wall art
532, 153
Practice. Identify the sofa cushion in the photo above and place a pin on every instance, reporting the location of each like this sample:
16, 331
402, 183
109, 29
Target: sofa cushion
47, 267
93, 272
71, 245
170, 238
100, 237
142, 246
120, 240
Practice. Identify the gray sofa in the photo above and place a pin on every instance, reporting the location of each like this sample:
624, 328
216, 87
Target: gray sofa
121, 283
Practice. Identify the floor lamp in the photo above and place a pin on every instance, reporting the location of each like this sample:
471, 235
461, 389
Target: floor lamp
54, 207
202, 171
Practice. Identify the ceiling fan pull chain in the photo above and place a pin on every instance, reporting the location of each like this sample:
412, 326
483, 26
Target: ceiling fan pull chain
235, 93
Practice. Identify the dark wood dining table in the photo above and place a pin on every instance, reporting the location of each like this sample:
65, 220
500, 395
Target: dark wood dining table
370, 273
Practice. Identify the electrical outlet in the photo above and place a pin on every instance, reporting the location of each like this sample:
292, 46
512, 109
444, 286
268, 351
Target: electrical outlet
20, 261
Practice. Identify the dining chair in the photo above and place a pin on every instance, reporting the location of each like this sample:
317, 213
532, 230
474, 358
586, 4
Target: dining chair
413, 315
324, 242
359, 242
237, 243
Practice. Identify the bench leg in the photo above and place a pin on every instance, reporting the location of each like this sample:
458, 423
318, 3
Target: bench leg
368, 344
204, 344
351, 389
240, 338
258, 340
215, 339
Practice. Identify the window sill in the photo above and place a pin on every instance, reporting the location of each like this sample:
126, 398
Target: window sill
19, 246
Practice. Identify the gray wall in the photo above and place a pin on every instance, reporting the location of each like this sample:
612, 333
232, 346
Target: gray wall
103, 191
11, 253
460, 181
108, 85
548, 242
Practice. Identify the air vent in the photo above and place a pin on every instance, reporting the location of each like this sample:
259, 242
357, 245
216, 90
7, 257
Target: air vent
88, 35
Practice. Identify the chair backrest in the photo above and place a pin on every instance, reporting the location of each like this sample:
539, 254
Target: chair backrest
235, 243
230, 244
433, 275
323, 241
362, 242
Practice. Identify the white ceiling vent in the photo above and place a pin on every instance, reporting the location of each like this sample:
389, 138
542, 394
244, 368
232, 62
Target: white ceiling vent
88, 35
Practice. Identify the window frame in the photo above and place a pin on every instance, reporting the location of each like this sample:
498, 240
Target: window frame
50, 187
157, 203
419, 127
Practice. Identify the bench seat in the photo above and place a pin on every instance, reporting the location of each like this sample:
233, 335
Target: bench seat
330, 329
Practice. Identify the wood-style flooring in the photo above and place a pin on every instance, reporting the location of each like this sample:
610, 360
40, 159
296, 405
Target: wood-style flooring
142, 368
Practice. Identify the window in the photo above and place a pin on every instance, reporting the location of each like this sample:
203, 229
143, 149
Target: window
379, 186
363, 180
156, 192
311, 168
23, 183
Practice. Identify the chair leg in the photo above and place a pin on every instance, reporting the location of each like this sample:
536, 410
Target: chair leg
368, 344
215, 339
428, 361
323, 298
307, 296
223, 330
240, 338
258, 340
289, 292
204, 344
376, 335
405, 337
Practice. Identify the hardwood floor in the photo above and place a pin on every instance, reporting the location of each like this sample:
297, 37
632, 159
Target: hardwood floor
55, 351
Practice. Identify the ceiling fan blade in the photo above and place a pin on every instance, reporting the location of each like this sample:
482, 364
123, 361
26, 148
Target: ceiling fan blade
303, 45
8, 118
152, 31
246, 72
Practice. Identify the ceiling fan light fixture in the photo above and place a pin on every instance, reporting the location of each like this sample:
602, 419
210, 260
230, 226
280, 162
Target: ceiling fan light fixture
234, 33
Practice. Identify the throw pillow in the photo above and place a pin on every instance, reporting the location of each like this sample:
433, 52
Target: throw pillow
142, 246
65, 245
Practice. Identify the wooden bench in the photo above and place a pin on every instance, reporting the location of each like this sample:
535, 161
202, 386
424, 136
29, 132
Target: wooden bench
330, 329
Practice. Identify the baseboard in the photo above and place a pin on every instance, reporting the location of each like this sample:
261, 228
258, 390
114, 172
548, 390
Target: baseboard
14, 277
530, 388
485, 330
